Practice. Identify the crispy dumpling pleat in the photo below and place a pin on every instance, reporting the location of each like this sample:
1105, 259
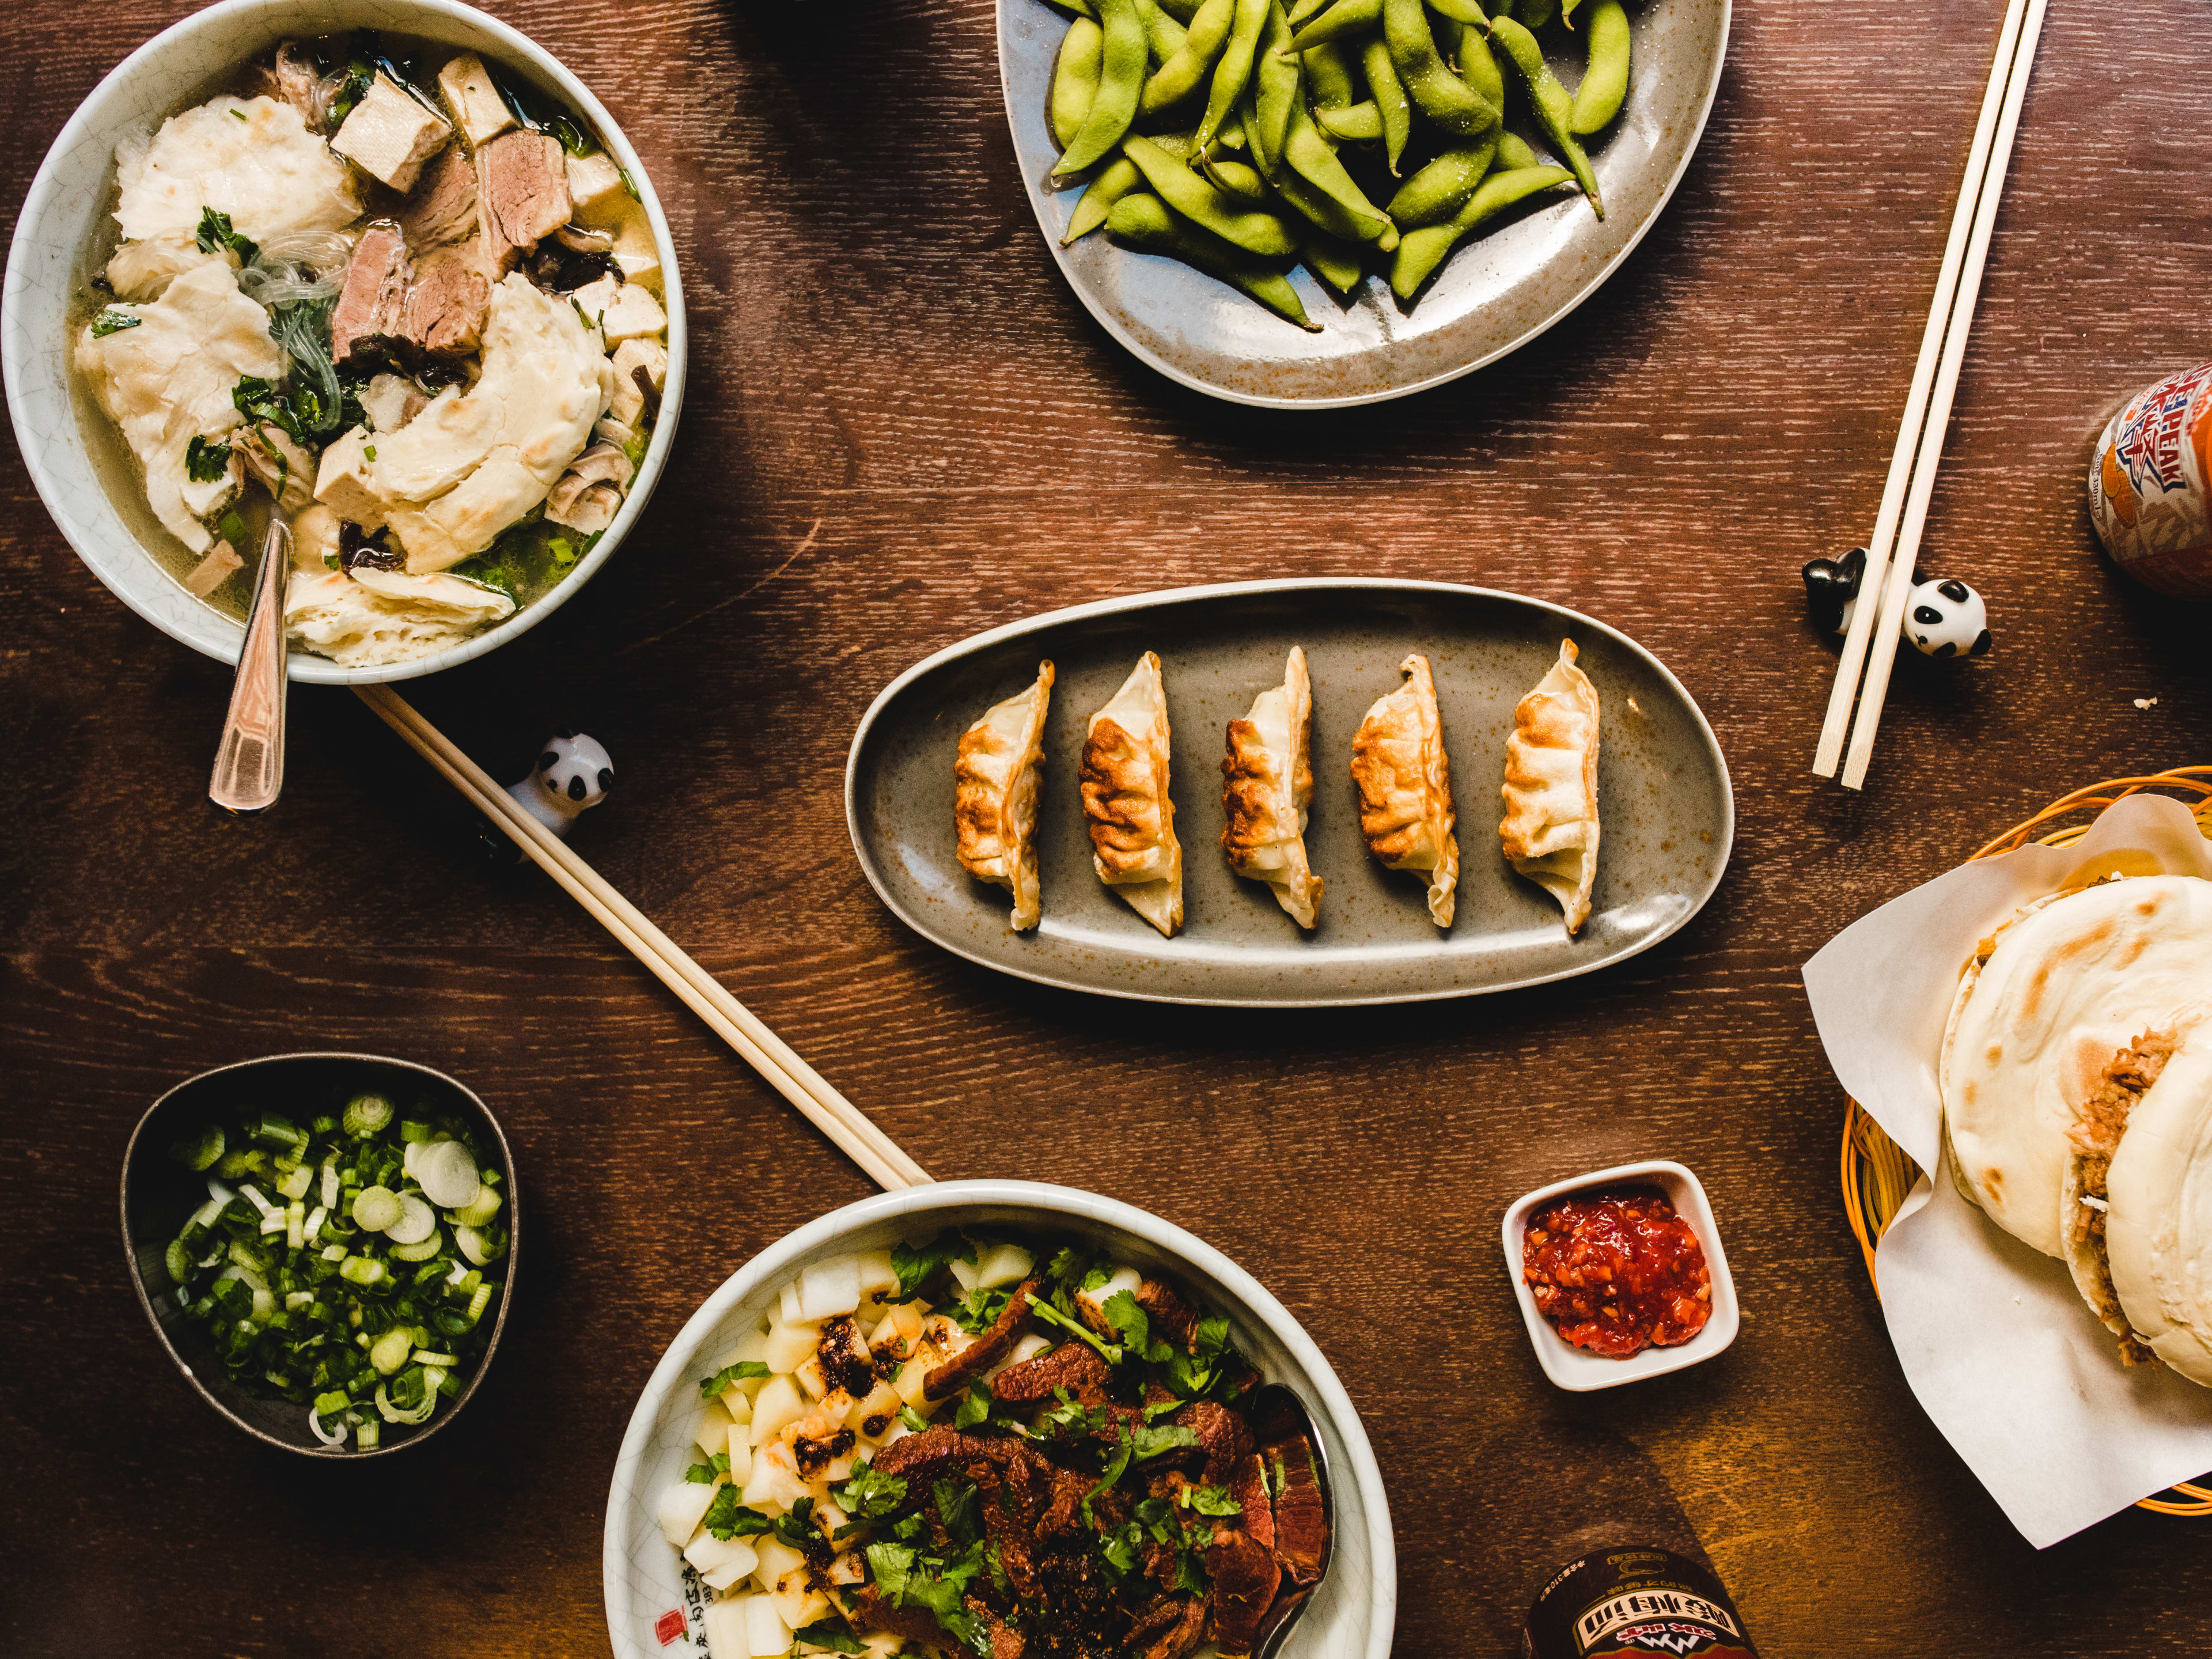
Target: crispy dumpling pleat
1404, 778
1125, 798
1550, 829
1267, 786
996, 781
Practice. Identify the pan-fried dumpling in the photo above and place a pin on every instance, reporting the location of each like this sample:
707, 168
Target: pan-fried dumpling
1550, 827
1266, 784
1405, 787
994, 799
1125, 798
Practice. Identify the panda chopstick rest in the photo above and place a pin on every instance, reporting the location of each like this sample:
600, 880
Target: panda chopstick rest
1944, 618
573, 775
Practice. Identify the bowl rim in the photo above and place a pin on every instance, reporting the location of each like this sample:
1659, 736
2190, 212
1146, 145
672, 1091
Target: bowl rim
1049, 1199
229, 634
439, 1420
1564, 1365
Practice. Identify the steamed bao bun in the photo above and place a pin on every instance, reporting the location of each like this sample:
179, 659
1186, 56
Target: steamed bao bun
2159, 1230
2051, 997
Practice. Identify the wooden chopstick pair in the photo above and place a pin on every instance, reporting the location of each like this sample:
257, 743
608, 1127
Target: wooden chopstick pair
854, 1133
1871, 641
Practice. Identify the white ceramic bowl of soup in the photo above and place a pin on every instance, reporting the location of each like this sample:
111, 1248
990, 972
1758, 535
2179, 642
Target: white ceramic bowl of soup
650, 1604
66, 231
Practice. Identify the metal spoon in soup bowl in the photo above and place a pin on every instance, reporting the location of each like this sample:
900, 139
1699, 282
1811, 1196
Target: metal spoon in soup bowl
249, 760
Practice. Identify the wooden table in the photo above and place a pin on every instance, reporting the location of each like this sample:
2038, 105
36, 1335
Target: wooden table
902, 428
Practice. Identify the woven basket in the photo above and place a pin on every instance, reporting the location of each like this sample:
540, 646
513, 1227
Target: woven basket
1877, 1175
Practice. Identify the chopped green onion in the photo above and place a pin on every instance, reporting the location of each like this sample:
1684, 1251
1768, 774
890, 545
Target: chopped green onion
415, 1130
376, 1209
198, 1152
296, 1182
477, 1214
369, 1434
177, 1260
389, 1352
361, 1270
113, 321
422, 1251
366, 1114
296, 1225
424, 1356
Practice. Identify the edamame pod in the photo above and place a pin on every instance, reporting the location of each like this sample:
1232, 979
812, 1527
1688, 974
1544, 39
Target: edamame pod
1143, 222
1328, 77
1277, 77
1605, 83
1554, 109
1163, 36
1231, 136
1345, 17
1441, 188
1391, 104
1338, 264
1181, 76
1080, 8
1479, 69
1236, 223
1075, 78
1461, 11
1353, 122
1513, 151
1235, 179
1307, 155
1304, 9
1235, 67
1182, 10
1446, 99
1115, 180
1533, 13
1120, 83
1424, 249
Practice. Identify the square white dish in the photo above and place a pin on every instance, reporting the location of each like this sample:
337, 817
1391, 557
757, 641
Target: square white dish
1581, 1372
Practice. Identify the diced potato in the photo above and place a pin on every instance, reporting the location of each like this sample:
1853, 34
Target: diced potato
725, 1622
828, 1288
798, 1606
741, 1458
789, 1346
875, 1644
963, 1274
912, 1380
808, 1372
1093, 1303
474, 102
772, 1480
878, 1278
721, 1562
767, 1637
712, 1433
739, 1404
1003, 1264
594, 181
850, 1568
898, 1431
901, 1328
778, 1561
882, 1406
780, 1403
682, 1505
787, 1306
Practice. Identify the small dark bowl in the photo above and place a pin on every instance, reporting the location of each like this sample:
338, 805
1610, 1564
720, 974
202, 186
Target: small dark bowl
158, 1195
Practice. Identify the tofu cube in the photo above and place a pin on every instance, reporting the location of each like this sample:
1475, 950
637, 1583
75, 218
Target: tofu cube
594, 181
345, 481
625, 311
628, 407
473, 102
637, 256
389, 136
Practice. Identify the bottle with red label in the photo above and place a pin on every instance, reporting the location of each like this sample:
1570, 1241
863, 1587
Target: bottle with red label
2150, 486
1632, 1601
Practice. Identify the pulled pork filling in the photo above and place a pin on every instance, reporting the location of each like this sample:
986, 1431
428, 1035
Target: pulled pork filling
2098, 1123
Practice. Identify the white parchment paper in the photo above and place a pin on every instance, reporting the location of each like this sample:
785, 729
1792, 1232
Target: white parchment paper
1998, 1346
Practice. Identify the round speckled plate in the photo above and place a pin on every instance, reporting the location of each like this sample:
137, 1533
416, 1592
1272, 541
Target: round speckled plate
1497, 292
1669, 816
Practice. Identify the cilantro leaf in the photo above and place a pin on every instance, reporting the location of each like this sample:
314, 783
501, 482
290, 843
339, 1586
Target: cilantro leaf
1210, 1500
975, 1406
832, 1634
744, 1370
1155, 1438
700, 1474
205, 462
1067, 1265
1134, 1326
214, 233
111, 321
959, 1506
1195, 1374
869, 1495
977, 1311
917, 1267
1052, 1315
1070, 1419
906, 1576
797, 1528
727, 1517
915, 1420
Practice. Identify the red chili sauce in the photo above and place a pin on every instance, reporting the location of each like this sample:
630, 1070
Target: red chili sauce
1616, 1273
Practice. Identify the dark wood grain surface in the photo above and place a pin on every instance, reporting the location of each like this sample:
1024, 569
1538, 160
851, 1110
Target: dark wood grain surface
901, 429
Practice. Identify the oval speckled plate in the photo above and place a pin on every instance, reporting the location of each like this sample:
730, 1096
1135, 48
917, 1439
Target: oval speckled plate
1668, 814
1495, 293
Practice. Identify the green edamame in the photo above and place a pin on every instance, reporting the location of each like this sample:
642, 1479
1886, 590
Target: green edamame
1443, 187
1252, 229
1235, 67
1115, 180
1446, 99
1352, 122
1338, 264
1391, 104
1235, 178
1513, 151
1424, 249
1344, 19
1533, 13
1267, 104
1554, 109
1075, 78
1605, 83
1304, 9
1179, 77
1329, 78
1479, 69
1461, 11
1163, 36
1309, 155
1182, 10
1143, 222
1120, 84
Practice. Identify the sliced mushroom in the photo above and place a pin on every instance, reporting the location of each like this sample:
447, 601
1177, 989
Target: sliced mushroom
285, 469
583, 241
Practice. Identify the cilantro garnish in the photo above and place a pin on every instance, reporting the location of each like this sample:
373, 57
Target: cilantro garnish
111, 321
911, 1579
1135, 1327
959, 1507
204, 462
1210, 1500
975, 1406
699, 1474
797, 1528
977, 1311
914, 1419
727, 1517
1200, 1372
214, 233
868, 1495
832, 1634
915, 1268
744, 1370
1111, 1353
